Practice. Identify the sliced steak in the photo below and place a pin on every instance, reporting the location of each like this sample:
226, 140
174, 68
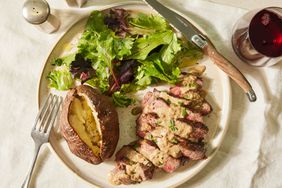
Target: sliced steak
167, 112
171, 99
158, 158
188, 94
176, 146
131, 168
194, 116
165, 141
171, 130
148, 98
199, 105
194, 151
174, 127
129, 153
192, 81
206, 108
200, 132
145, 123
118, 176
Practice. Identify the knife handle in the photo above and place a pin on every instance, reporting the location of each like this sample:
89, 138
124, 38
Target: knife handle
230, 70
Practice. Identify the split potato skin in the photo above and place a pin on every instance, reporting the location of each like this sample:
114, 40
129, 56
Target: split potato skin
106, 118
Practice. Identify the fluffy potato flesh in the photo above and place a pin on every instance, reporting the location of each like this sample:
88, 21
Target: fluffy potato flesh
82, 119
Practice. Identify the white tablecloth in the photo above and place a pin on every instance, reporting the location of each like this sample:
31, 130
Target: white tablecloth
252, 150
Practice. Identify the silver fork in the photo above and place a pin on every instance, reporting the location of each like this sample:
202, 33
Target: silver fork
41, 130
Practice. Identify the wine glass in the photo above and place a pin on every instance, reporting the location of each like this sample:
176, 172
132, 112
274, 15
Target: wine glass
257, 37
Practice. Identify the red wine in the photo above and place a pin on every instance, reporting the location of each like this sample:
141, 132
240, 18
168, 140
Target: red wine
265, 33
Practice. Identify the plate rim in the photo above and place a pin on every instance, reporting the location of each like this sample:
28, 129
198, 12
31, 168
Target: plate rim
225, 101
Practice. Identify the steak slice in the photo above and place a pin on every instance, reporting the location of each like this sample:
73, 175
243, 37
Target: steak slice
194, 151
175, 146
199, 133
118, 176
159, 158
171, 99
205, 108
131, 168
192, 81
165, 141
148, 98
145, 123
165, 111
182, 127
199, 104
187, 93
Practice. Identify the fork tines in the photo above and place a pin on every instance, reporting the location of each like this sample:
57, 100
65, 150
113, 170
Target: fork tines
47, 114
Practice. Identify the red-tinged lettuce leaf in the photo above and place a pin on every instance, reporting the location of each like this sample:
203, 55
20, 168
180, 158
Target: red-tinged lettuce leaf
116, 20
81, 68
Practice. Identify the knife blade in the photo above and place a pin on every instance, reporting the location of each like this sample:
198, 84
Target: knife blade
192, 34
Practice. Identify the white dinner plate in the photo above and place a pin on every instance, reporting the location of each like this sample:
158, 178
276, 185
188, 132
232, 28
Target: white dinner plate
219, 95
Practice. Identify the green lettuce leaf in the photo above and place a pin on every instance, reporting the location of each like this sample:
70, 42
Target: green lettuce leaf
100, 45
154, 68
66, 60
60, 79
122, 47
142, 77
121, 100
169, 52
143, 46
147, 24
95, 22
189, 55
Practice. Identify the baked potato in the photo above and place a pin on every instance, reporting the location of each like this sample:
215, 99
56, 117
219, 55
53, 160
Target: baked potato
89, 124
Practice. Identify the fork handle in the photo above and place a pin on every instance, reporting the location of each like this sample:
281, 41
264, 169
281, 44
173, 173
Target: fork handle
28, 177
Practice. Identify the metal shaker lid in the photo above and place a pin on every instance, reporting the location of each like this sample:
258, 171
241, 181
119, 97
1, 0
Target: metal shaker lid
36, 11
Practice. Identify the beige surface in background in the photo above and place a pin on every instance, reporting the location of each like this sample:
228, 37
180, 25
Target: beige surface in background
249, 4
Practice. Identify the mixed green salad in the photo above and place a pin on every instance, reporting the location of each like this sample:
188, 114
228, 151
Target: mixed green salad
120, 52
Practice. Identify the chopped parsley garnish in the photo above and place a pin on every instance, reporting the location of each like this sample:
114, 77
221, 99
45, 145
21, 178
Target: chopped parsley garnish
192, 85
184, 112
180, 103
158, 122
168, 101
174, 141
172, 125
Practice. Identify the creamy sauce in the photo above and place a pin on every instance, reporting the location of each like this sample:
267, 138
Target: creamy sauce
174, 100
162, 137
169, 114
135, 172
156, 156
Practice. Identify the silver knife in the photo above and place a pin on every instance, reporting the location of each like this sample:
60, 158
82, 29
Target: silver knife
191, 33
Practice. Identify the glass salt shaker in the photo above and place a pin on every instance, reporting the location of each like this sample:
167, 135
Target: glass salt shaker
76, 3
37, 12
